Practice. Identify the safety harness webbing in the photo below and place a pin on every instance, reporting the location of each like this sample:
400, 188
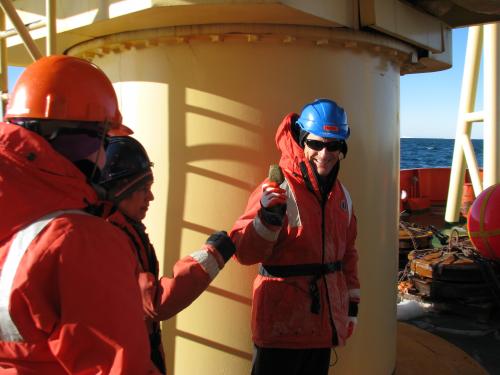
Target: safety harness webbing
312, 269
21, 242
316, 270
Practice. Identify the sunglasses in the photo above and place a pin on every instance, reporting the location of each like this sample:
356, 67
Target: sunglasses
320, 145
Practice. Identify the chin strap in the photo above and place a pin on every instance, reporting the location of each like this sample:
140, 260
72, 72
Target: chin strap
102, 146
102, 193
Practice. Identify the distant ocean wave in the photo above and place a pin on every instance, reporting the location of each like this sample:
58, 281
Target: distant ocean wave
432, 152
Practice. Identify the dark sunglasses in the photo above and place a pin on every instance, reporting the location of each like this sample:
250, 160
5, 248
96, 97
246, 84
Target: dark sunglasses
320, 145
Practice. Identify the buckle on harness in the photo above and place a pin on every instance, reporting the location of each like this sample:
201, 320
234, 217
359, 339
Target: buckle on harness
317, 270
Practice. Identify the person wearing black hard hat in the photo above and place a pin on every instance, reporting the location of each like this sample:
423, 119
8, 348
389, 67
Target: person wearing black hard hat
300, 226
127, 179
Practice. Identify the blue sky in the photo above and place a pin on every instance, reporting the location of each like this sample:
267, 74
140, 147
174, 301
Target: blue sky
429, 101
14, 72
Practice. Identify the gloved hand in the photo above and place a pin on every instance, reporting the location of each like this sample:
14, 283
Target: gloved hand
351, 325
273, 202
222, 243
272, 195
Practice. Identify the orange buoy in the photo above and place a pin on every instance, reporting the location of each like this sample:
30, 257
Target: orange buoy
483, 222
467, 198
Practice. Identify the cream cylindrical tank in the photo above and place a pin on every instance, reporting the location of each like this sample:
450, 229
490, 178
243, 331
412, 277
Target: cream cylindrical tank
206, 103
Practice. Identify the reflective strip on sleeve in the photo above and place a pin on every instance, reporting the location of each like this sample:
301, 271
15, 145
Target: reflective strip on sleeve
263, 231
354, 294
207, 261
21, 242
349, 201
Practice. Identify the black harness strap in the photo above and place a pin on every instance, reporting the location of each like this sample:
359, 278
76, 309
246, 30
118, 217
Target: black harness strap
317, 270
312, 269
156, 351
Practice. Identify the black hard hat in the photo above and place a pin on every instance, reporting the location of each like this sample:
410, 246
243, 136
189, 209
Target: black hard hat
127, 167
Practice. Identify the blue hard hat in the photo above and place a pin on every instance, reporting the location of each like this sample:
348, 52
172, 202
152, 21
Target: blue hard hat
324, 118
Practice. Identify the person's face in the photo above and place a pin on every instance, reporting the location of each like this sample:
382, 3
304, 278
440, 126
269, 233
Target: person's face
323, 160
136, 205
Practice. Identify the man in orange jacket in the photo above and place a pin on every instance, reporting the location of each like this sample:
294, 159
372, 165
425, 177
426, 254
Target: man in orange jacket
302, 230
127, 177
69, 300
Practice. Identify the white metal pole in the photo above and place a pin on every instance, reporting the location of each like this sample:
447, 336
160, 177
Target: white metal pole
491, 172
470, 157
466, 106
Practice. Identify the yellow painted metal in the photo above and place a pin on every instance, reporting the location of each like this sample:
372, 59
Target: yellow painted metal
50, 15
464, 122
31, 26
11, 12
490, 116
470, 158
207, 106
404, 22
491, 99
81, 21
3, 66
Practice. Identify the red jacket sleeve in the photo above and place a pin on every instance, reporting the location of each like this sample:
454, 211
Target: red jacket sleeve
191, 276
101, 327
254, 240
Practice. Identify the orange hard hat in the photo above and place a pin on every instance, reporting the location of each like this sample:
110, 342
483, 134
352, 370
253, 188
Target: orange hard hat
483, 222
66, 88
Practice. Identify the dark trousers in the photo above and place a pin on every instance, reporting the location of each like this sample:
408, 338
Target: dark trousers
274, 361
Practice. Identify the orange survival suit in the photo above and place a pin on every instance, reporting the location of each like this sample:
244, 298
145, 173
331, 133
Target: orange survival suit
164, 297
56, 314
308, 279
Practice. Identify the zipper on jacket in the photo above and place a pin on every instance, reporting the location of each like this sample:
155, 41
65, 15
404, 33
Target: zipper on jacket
322, 201
335, 340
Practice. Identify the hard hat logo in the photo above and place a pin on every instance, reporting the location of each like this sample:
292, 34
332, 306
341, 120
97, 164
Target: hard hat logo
331, 128
324, 118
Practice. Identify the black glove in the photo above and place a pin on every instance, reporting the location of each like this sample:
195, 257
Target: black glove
222, 243
273, 215
353, 309
273, 203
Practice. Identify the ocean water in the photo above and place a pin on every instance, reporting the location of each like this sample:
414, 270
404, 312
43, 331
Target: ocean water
432, 152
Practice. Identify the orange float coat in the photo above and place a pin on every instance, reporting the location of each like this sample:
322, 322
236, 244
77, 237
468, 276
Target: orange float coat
73, 305
315, 231
164, 297
192, 274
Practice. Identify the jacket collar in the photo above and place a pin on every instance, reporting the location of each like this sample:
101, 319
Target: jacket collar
35, 180
293, 159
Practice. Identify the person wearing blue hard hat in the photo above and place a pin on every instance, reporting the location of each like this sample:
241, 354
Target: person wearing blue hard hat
323, 134
300, 226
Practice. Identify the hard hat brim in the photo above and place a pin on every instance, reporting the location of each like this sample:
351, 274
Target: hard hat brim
121, 131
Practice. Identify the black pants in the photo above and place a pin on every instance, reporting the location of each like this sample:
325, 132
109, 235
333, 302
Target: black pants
274, 361
157, 356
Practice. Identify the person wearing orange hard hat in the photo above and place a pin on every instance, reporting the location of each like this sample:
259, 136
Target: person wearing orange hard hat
69, 298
